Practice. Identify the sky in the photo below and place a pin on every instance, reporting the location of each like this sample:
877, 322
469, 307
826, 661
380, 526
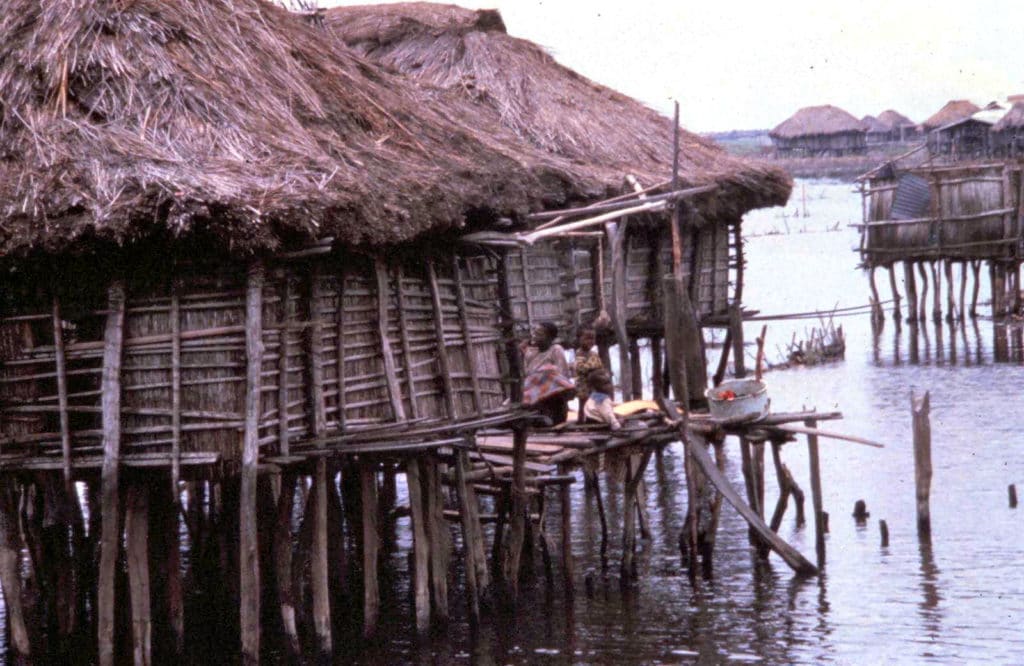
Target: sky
750, 65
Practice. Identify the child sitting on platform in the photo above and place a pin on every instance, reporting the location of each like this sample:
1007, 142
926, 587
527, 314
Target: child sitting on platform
600, 405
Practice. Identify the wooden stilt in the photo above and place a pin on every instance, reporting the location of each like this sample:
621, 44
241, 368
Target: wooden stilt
283, 561
911, 289
643, 520
421, 547
635, 473
876, 300
517, 514
137, 551
963, 290
784, 489
319, 580
565, 499
920, 410
10, 569
602, 518
469, 546
896, 311
936, 291
371, 545
636, 373
1015, 295
815, 467
175, 317
657, 367
976, 270
110, 539
951, 313
248, 541
922, 270
440, 542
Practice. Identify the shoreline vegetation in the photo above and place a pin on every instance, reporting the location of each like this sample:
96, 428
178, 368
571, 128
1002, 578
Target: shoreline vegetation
756, 144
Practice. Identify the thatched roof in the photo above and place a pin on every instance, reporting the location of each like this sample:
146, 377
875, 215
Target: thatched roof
1012, 120
954, 110
873, 125
894, 119
230, 119
516, 84
812, 120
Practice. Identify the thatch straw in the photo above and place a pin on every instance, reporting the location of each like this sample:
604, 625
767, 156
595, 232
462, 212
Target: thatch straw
873, 125
817, 120
894, 119
233, 119
515, 84
952, 111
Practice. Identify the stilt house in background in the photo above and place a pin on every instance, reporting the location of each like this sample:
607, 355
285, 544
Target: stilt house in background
819, 131
952, 111
900, 127
875, 131
620, 146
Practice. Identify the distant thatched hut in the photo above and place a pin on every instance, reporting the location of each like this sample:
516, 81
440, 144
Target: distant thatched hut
819, 130
952, 111
875, 131
900, 127
515, 84
1007, 135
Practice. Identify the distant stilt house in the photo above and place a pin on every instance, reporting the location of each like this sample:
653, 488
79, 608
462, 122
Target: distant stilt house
1007, 134
875, 131
617, 146
900, 127
951, 112
819, 131
966, 138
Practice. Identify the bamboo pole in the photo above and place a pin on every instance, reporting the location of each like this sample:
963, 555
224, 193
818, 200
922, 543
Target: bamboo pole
617, 247
285, 314
319, 565
469, 544
110, 539
62, 394
440, 548
421, 548
175, 316
442, 349
248, 540
394, 390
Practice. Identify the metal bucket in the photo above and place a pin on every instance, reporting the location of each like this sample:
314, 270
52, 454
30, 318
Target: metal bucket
738, 400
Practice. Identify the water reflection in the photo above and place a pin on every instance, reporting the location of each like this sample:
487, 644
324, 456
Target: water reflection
930, 610
952, 343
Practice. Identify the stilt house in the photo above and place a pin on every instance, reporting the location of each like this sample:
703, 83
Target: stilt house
819, 131
620, 148
900, 127
1007, 135
228, 247
875, 131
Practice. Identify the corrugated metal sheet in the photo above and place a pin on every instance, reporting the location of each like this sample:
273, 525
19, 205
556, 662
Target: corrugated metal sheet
912, 199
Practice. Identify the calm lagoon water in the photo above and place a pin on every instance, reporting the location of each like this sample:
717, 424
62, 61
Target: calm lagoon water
958, 600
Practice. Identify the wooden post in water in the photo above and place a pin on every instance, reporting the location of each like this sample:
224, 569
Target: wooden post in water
911, 289
896, 312
248, 539
951, 313
440, 547
371, 545
10, 568
420, 546
963, 290
318, 561
936, 291
976, 270
922, 315
137, 553
283, 561
920, 410
517, 516
469, 546
110, 538
816, 499
876, 300
565, 499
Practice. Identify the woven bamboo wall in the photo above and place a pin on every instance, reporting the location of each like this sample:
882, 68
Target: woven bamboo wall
302, 326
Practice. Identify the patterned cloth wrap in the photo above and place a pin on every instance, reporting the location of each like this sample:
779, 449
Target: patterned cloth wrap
544, 382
